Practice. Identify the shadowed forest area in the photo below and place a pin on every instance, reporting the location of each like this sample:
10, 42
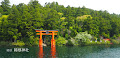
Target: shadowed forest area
75, 24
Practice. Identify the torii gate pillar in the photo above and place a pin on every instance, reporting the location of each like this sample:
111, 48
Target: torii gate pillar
52, 40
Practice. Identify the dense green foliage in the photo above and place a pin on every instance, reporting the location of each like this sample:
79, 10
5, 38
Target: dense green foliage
23, 19
84, 36
61, 41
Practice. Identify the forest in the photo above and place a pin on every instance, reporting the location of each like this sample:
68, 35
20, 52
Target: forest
18, 23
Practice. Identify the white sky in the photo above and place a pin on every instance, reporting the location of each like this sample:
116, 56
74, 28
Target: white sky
112, 6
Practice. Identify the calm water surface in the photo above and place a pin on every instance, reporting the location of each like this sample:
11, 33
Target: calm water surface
97, 51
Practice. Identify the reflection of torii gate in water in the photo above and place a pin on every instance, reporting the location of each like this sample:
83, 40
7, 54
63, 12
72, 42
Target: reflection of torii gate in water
47, 32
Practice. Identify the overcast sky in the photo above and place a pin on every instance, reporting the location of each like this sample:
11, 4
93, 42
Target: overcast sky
112, 6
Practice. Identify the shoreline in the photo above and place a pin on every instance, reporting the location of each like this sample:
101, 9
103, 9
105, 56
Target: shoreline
86, 44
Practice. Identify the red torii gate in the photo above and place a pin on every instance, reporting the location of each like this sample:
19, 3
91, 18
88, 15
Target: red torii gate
46, 32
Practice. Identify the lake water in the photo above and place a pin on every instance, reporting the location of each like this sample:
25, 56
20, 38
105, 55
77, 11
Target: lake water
94, 51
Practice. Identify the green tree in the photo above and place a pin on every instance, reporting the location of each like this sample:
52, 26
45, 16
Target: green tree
3, 29
105, 27
14, 20
84, 36
6, 7
1, 11
91, 25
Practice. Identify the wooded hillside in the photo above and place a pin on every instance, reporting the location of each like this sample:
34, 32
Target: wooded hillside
18, 22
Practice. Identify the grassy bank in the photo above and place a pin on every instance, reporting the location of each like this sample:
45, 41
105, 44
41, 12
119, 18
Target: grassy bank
60, 42
18, 43
98, 42
5, 43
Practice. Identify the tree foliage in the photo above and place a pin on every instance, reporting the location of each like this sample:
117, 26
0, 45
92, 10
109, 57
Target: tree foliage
84, 36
